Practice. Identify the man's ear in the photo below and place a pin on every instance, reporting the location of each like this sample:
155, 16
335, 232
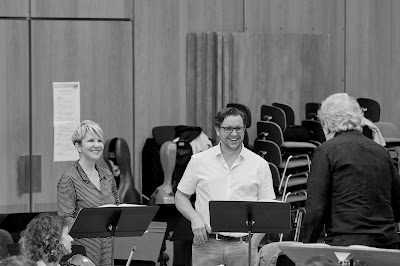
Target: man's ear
217, 129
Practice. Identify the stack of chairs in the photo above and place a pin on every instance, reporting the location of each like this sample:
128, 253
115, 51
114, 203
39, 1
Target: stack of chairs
265, 130
392, 139
290, 161
289, 179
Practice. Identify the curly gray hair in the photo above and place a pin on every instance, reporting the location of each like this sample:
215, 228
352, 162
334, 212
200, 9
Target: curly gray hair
340, 112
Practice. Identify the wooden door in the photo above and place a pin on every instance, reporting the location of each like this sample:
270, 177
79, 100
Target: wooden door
14, 115
98, 54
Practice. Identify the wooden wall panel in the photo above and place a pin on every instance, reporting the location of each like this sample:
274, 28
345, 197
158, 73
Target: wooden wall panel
258, 69
279, 67
14, 115
204, 80
14, 8
115, 9
215, 15
304, 17
373, 57
160, 68
99, 55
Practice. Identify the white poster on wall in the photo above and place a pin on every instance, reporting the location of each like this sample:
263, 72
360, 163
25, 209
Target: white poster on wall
66, 110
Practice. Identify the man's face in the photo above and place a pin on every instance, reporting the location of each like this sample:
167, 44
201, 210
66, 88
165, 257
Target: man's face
231, 140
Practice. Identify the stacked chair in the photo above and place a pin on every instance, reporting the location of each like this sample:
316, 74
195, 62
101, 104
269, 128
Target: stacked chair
289, 160
372, 111
392, 138
315, 131
289, 179
312, 110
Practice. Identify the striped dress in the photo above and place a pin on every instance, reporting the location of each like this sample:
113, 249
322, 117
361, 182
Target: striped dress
74, 192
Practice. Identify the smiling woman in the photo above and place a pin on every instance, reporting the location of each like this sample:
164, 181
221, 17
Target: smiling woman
87, 185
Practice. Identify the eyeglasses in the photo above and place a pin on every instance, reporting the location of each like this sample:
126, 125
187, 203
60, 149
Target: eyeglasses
230, 129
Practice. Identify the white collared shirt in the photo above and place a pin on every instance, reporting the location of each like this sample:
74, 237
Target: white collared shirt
208, 175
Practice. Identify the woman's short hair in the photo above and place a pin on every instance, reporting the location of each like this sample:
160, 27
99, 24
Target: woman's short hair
85, 127
41, 240
340, 112
229, 111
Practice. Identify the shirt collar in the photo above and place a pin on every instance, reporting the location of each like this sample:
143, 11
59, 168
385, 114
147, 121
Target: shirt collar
83, 174
243, 152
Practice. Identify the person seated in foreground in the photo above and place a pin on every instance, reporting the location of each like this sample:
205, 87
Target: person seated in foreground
46, 240
17, 261
353, 187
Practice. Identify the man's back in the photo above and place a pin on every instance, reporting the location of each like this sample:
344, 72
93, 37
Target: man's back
356, 195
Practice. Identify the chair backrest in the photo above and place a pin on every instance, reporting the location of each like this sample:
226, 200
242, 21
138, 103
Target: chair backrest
312, 110
269, 150
244, 109
270, 131
162, 134
314, 129
276, 177
289, 112
372, 109
273, 114
388, 129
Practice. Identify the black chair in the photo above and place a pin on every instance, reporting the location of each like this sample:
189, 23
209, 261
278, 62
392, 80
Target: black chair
291, 187
315, 131
371, 108
246, 111
293, 171
272, 131
392, 139
289, 112
312, 110
273, 114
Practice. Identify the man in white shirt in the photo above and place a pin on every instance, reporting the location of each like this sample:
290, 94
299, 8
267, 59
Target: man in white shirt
227, 171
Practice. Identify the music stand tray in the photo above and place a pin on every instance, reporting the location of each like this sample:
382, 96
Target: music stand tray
128, 221
250, 217
266, 217
299, 253
112, 222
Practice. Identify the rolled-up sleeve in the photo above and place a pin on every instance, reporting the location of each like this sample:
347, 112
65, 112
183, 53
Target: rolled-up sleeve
266, 189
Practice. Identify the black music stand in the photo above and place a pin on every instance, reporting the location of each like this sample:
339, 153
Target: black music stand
250, 217
113, 221
299, 253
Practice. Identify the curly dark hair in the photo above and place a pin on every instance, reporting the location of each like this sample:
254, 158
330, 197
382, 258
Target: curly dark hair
228, 111
41, 240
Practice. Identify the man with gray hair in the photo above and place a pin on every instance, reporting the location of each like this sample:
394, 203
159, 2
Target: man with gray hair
354, 187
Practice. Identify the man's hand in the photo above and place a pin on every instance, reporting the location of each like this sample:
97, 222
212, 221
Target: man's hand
200, 231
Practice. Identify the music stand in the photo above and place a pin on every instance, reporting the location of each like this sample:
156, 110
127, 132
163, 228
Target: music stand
250, 217
299, 253
112, 221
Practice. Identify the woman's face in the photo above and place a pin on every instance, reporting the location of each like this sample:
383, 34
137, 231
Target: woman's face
91, 147
66, 240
